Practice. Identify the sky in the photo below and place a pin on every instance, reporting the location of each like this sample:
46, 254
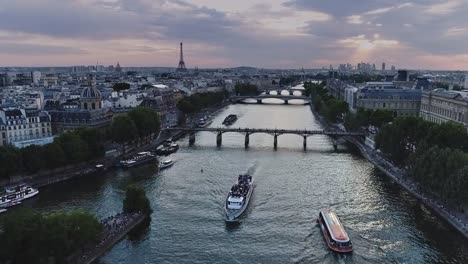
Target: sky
414, 34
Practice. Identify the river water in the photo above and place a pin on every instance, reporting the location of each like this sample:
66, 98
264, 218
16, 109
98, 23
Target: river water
384, 222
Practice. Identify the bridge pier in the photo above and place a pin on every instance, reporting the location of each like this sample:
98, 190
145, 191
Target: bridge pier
259, 101
304, 144
275, 142
191, 138
219, 139
335, 144
278, 92
286, 101
246, 143
291, 92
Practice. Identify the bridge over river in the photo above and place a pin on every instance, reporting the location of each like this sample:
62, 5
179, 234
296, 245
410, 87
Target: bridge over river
259, 98
219, 131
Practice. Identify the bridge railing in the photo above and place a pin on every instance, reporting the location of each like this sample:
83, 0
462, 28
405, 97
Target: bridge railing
266, 130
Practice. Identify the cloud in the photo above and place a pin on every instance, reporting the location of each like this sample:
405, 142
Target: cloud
444, 8
456, 31
38, 49
355, 19
273, 33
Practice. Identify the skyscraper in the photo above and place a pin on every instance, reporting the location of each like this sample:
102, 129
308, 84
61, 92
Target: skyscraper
383, 66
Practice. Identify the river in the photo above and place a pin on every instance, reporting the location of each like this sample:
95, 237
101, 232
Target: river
384, 222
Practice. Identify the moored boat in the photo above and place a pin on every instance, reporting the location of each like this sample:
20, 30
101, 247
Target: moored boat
204, 122
16, 194
167, 148
230, 119
139, 159
238, 198
334, 233
165, 164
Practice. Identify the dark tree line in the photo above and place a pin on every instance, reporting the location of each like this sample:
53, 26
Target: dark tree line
81, 145
435, 154
31, 237
284, 81
69, 148
366, 117
121, 86
246, 89
196, 102
324, 103
141, 124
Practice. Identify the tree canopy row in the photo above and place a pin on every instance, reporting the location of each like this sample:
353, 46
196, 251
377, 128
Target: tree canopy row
434, 154
246, 89
196, 102
324, 103
31, 237
84, 144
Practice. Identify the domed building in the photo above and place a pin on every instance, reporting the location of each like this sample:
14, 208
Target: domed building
89, 111
91, 99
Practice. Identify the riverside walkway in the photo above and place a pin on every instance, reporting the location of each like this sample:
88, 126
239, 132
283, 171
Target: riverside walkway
457, 219
115, 229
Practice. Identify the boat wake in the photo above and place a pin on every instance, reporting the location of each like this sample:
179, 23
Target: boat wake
251, 170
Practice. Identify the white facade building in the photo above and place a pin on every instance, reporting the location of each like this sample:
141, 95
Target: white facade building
440, 106
23, 125
350, 97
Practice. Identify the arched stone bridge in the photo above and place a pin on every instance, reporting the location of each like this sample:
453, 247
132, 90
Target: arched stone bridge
274, 132
259, 98
279, 90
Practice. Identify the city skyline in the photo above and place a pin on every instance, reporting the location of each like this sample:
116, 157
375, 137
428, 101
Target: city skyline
266, 34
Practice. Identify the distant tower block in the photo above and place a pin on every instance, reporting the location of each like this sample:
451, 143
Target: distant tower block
181, 67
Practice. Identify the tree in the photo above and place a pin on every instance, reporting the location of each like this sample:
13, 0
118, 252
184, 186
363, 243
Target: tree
121, 86
246, 89
10, 161
186, 106
74, 148
146, 121
32, 157
94, 139
448, 134
136, 201
380, 117
335, 108
30, 237
123, 130
54, 156
400, 138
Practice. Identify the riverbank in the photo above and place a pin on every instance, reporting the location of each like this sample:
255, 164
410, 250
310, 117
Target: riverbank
115, 229
456, 219
108, 163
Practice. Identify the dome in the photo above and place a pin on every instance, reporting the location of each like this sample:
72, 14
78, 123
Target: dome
90, 92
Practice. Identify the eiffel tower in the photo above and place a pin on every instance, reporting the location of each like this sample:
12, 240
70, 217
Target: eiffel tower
181, 67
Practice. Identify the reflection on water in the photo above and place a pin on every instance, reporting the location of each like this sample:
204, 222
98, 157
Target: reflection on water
385, 223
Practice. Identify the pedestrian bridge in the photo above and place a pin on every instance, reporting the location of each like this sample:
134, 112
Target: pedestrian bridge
219, 131
259, 98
